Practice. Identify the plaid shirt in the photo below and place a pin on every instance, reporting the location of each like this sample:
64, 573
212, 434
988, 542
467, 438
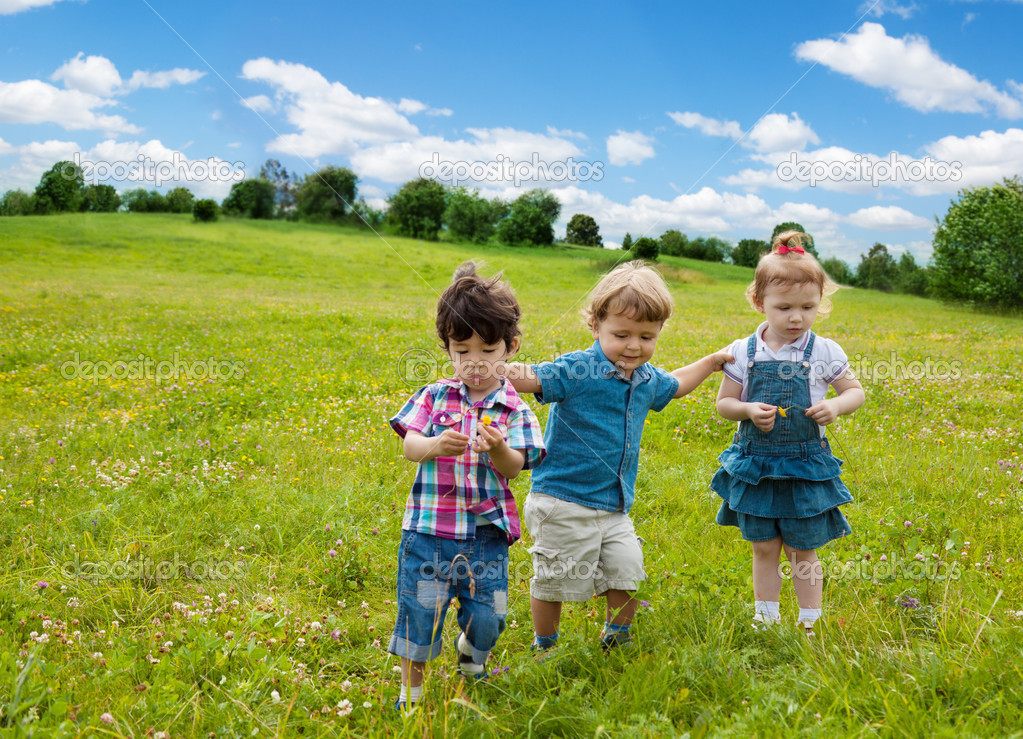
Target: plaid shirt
449, 492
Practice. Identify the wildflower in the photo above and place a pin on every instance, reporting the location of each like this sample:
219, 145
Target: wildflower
42, 584
327, 527
782, 412
344, 707
907, 524
332, 552
644, 603
347, 685
107, 718
884, 557
367, 704
335, 634
909, 603
275, 697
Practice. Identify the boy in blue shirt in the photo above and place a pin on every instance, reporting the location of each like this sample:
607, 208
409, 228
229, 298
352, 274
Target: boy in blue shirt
578, 507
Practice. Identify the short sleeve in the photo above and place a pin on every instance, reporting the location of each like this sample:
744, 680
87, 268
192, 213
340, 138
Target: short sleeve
525, 435
415, 414
665, 387
557, 380
736, 371
832, 360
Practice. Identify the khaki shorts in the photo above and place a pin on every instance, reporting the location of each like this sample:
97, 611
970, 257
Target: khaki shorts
580, 551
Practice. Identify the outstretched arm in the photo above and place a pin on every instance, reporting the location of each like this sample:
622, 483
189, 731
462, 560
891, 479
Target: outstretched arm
522, 377
690, 376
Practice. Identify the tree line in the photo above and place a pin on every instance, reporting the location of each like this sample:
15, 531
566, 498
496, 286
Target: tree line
978, 245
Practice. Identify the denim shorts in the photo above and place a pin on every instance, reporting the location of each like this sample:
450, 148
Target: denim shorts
580, 551
799, 533
433, 570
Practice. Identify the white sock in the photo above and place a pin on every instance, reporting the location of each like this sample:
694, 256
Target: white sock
809, 616
410, 696
769, 610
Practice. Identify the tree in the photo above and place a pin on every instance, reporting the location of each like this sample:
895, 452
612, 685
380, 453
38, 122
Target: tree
673, 243
978, 247
646, 248
284, 186
793, 226
326, 195
627, 242
250, 198
710, 249
205, 210
876, 270
471, 217
100, 199
839, 271
144, 201
418, 208
17, 203
60, 189
180, 200
583, 230
531, 219
748, 252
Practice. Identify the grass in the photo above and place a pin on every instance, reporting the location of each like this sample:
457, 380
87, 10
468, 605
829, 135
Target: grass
182, 526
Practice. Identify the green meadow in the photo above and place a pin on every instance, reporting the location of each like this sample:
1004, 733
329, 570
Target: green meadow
201, 500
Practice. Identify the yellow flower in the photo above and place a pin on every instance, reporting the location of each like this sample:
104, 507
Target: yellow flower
781, 412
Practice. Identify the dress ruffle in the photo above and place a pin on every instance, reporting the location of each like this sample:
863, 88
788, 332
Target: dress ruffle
754, 468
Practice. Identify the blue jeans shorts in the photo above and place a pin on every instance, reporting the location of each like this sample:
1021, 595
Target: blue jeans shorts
433, 570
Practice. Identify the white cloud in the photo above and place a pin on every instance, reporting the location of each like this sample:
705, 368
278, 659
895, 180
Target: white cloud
626, 147
565, 134
258, 103
911, 70
777, 132
708, 126
887, 218
440, 111
35, 101
985, 158
330, 118
98, 75
10, 7
878, 8
411, 107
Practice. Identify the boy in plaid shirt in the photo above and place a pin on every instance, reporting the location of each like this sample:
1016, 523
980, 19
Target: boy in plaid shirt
469, 435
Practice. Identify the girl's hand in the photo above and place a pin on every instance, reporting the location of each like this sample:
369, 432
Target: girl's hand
451, 444
762, 415
488, 438
823, 411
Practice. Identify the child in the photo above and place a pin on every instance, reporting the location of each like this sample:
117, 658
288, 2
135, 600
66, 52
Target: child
469, 435
779, 480
578, 508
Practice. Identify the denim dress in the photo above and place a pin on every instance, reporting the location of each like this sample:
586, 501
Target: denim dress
784, 482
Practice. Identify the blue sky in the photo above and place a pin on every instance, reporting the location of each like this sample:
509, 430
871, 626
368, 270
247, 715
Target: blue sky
859, 120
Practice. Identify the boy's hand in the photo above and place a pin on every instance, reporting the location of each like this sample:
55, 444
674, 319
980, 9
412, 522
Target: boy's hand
451, 444
823, 411
720, 358
488, 438
762, 415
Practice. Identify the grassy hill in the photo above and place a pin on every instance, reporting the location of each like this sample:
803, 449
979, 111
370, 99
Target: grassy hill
201, 501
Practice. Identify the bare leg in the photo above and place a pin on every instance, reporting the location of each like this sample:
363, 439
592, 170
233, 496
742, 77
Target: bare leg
766, 577
807, 576
621, 607
546, 616
411, 673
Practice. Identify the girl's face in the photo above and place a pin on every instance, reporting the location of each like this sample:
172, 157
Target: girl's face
790, 311
477, 363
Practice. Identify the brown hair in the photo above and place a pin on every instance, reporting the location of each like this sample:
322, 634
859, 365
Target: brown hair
475, 304
794, 267
633, 289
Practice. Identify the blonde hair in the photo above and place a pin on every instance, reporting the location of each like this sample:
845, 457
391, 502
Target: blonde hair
790, 268
633, 289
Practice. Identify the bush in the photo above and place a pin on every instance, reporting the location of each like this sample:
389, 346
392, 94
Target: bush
326, 195
646, 248
418, 208
748, 252
531, 219
205, 210
180, 200
471, 217
100, 199
17, 203
251, 198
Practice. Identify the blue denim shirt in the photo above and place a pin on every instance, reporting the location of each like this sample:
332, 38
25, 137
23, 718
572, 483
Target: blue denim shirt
595, 426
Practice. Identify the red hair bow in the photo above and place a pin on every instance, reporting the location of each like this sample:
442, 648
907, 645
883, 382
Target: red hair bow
785, 249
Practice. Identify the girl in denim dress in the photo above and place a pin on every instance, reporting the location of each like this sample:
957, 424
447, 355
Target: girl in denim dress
779, 482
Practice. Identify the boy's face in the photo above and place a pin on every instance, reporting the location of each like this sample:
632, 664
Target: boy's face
477, 363
626, 342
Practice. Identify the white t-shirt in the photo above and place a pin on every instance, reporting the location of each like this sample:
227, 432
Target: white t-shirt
827, 361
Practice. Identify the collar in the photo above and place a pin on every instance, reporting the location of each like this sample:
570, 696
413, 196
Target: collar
796, 346
607, 368
504, 395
